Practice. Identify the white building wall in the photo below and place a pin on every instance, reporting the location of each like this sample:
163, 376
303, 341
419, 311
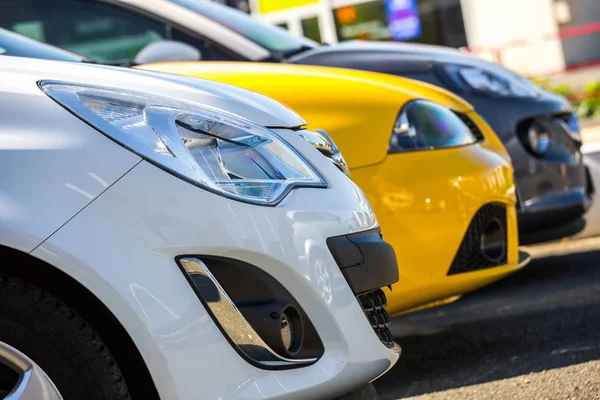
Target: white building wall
520, 34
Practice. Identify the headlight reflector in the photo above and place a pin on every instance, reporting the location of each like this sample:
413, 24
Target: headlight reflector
321, 141
423, 125
213, 149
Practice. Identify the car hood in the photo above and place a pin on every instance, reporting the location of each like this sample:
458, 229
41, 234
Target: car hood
422, 52
411, 51
355, 80
357, 108
252, 106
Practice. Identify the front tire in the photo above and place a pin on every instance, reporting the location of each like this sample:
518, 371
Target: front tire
66, 349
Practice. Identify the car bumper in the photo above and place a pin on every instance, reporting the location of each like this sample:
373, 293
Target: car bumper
555, 216
426, 202
124, 247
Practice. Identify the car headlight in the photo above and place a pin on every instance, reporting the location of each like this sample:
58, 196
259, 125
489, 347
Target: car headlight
321, 141
486, 82
213, 149
423, 125
539, 139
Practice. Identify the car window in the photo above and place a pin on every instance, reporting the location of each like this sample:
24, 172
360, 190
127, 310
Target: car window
270, 37
209, 51
12, 44
97, 31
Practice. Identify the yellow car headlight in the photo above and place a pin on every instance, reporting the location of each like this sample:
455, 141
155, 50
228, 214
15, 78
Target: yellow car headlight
424, 125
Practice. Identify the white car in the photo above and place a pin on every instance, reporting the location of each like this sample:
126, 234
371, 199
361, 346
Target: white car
172, 238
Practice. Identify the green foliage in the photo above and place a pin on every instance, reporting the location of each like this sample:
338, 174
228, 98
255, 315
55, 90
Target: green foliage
586, 104
563, 90
588, 108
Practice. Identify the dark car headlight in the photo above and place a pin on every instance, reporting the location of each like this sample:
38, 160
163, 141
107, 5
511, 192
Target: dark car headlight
423, 125
487, 82
539, 139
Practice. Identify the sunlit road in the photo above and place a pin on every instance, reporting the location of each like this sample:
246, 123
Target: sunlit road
497, 342
534, 335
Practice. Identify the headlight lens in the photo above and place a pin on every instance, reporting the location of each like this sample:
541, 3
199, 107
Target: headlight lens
321, 141
213, 149
539, 139
488, 82
423, 125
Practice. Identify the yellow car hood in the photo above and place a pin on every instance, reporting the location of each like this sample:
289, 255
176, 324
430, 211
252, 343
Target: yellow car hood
357, 108
425, 201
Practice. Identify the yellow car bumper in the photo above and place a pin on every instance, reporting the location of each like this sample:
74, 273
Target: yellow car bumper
425, 202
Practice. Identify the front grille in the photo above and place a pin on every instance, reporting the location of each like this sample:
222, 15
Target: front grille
472, 126
470, 255
373, 304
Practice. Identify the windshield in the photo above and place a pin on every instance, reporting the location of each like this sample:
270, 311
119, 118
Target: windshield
12, 44
270, 37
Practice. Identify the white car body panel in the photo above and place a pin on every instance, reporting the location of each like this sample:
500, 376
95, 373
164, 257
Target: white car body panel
121, 244
53, 164
244, 103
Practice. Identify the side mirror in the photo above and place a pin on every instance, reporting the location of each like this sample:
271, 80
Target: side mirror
167, 50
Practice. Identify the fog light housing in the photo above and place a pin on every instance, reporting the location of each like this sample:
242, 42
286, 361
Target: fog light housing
493, 245
268, 332
291, 331
287, 332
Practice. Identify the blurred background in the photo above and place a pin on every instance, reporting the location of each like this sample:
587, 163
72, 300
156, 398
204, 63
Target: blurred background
552, 41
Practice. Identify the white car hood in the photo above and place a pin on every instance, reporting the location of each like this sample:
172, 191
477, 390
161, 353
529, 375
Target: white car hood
250, 105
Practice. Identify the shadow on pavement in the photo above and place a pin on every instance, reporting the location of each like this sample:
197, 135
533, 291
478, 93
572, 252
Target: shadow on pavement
545, 316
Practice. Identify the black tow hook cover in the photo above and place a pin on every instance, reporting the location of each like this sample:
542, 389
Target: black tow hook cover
366, 260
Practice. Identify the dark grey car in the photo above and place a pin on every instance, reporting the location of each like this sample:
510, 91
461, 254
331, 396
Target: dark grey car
538, 128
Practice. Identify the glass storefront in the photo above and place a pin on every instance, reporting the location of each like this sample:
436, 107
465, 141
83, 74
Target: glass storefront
366, 21
422, 21
311, 29
442, 23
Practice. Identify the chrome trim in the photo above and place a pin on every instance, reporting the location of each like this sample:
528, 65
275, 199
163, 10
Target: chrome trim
321, 141
231, 321
33, 383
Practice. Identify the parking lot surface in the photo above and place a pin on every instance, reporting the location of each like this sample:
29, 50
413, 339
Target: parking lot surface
534, 335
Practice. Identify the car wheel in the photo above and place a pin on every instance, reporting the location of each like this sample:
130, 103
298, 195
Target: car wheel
367, 392
46, 346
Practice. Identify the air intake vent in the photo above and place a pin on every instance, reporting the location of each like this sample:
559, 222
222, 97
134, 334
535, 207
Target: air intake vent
373, 304
485, 243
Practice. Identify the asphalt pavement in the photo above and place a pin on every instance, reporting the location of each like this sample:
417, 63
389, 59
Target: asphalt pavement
534, 335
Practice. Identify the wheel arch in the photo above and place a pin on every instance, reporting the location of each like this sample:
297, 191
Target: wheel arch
32, 270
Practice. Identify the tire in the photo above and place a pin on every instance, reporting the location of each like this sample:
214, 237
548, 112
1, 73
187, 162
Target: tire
59, 341
367, 392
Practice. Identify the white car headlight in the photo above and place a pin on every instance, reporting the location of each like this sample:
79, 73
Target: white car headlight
213, 149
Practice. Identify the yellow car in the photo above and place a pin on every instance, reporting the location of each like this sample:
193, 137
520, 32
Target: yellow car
439, 179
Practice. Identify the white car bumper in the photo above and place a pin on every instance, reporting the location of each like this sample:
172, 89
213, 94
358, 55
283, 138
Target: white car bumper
123, 248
